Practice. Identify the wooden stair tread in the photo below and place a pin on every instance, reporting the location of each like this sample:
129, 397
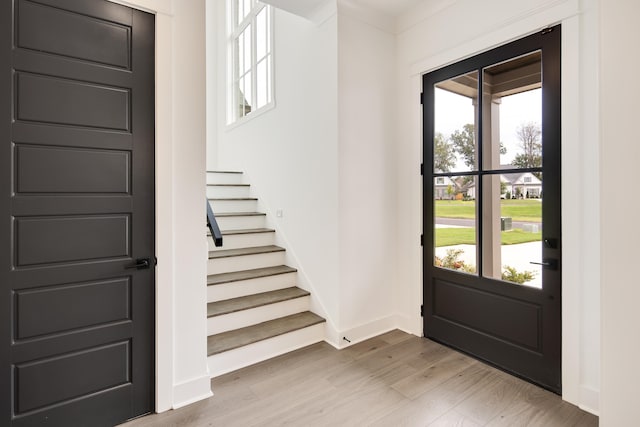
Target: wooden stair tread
233, 305
245, 251
230, 340
236, 276
228, 214
232, 199
247, 231
243, 231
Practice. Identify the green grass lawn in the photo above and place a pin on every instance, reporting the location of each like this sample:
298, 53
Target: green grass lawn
518, 210
467, 236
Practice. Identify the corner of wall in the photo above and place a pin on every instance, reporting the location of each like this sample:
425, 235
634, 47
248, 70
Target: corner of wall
323, 12
191, 391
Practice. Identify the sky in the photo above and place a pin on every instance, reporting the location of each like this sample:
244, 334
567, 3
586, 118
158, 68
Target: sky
454, 111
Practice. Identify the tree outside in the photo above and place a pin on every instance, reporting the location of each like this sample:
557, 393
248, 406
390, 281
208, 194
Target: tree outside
464, 141
444, 158
529, 135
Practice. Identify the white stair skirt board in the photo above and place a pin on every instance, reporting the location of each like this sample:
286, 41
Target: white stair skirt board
240, 222
233, 205
250, 287
227, 191
237, 241
252, 316
232, 360
244, 262
224, 178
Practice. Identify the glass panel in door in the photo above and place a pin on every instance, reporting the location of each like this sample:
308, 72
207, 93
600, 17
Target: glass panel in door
512, 171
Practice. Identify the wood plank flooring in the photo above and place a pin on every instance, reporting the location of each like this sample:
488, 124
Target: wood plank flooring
395, 379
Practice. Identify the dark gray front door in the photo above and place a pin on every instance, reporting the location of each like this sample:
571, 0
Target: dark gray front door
492, 255
76, 213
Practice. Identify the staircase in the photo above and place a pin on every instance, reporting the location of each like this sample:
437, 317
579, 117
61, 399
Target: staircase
254, 309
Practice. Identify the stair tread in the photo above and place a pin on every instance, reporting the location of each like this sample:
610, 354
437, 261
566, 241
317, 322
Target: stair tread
228, 214
247, 231
230, 340
233, 305
245, 251
243, 231
237, 276
232, 199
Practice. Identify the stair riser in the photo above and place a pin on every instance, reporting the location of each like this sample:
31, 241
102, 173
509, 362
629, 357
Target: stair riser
224, 178
214, 192
237, 241
253, 316
221, 206
241, 222
245, 262
229, 361
250, 287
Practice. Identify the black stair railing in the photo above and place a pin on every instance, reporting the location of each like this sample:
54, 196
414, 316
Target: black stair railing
213, 226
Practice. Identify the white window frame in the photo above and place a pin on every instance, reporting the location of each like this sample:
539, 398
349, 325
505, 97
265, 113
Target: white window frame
235, 30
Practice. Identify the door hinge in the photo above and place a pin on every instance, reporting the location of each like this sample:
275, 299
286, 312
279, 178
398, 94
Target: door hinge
422, 311
422, 99
422, 240
546, 31
422, 169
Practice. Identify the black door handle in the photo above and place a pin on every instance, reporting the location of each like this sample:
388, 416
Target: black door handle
548, 262
141, 264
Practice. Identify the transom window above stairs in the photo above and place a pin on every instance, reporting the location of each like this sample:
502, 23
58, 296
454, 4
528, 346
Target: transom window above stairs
250, 58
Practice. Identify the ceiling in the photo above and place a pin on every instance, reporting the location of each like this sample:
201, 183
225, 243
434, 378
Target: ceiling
307, 8
390, 7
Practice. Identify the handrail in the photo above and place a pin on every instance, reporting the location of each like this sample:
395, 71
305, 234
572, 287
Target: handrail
213, 226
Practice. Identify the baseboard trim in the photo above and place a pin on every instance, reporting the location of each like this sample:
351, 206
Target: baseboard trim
590, 400
367, 330
191, 391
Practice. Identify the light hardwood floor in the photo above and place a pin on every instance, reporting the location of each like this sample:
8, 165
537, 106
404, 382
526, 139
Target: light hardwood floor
395, 379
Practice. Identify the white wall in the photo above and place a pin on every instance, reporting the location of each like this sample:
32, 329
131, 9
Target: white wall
439, 33
191, 379
181, 360
367, 178
290, 153
324, 155
212, 78
619, 154
317, 159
